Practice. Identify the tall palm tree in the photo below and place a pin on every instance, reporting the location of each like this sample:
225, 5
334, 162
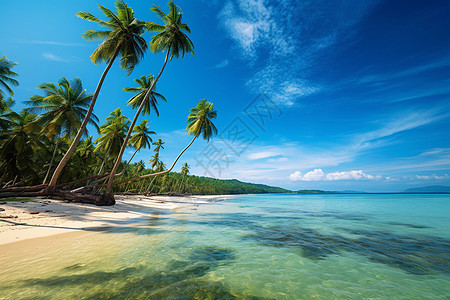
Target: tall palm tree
112, 135
6, 76
158, 145
122, 38
170, 38
154, 160
199, 124
141, 138
63, 108
145, 82
184, 172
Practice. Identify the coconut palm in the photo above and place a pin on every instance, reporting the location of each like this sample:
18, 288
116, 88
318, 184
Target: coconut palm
17, 147
112, 135
158, 145
184, 172
154, 160
63, 107
170, 38
122, 38
6, 113
6, 76
141, 138
145, 82
199, 124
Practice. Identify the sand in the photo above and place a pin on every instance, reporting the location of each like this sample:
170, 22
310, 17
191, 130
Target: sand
41, 217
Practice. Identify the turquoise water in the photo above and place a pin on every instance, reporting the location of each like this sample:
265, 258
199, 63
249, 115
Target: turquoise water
252, 247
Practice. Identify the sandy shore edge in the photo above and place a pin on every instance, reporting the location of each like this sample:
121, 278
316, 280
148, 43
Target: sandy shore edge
40, 217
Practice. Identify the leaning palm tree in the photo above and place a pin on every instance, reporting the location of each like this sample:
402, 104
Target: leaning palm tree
63, 107
6, 76
151, 102
199, 124
170, 38
122, 38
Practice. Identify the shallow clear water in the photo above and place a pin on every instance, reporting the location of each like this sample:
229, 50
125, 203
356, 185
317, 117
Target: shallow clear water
251, 247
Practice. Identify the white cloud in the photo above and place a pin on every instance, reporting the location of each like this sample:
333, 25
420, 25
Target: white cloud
320, 175
51, 56
433, 177
259, 155
222, 64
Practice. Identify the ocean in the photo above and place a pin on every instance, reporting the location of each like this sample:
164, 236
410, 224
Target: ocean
287, 246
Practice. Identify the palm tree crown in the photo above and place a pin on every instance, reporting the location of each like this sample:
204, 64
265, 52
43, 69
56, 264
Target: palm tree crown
145, 82
124, 33
6, 74
64, 107
199, 120
141, 138
158, 145
113, 133
171, 36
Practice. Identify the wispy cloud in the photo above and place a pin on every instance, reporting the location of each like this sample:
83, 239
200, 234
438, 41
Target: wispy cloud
222, 64
53, 43
433, 177
279, 37
411, 71
51, 56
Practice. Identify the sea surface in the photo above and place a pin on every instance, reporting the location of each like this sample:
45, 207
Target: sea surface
250, 247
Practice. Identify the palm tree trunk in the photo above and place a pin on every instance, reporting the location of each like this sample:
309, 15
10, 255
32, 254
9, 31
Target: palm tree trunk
52, 185
108, 193
103, 164
148, 188
181, 182
154, 174
51, 162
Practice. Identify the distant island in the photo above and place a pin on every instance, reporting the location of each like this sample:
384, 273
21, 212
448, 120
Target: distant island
430, 189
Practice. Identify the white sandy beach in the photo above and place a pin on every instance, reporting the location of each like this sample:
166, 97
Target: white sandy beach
22, 220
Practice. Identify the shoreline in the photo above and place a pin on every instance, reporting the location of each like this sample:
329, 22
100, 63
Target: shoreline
43, 217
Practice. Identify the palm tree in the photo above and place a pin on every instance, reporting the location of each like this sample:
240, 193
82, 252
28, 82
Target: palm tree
17, 147
199, 124
63, 106
172, 39
158, 145
154, 160
6, 113
123, 38
113, 134
145, 82
6, 76
184, 172
141, 138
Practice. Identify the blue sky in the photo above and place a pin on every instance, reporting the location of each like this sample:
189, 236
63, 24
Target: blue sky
358, 90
